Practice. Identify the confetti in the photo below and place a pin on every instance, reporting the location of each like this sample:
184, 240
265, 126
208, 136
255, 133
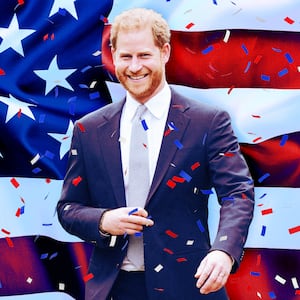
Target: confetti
144, 124
15, 183
76, 180
265, 77
247, 67
181, 259
295, 283
262, 178
245, 49
272, 295
289, 20
195, 166
257, 59
178, 179
280, 279
230, 89
257, 139
283, 72
133, 211
5, 231
284, 139
226, 37
88, 277
190, 25
207, 192
171, 184
263, 230
53, 256
9, 242
2, 72
294, 230
207, 50
169, 251
185, 175
158, 268
289, 58
223, 238
255, 274
200, 226
61, 286
171, 234
178, 144
81, 127
29, 280
94, 96
267, 211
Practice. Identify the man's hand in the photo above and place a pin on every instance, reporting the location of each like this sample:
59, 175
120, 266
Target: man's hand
125, 220
213, 271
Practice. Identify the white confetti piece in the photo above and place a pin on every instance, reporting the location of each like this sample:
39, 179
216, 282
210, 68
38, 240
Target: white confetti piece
29, 280
223, 238
295, 283
226, 37
74, 152
35, 159
61, 286
67, 207
158, 268
113, 241
190, 243
280, 279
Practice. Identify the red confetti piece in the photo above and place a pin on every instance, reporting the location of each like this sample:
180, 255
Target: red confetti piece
297, 292
19, 113
257, 59
21, 2
181, 259
15, 183
230, 89
171, 184
45, 37
244, 196
195, 166
88, 277
171, 234
190, 25
48, 180
5, 231
76, 180
258, 260
267, 211
159, 289
168, 251
167, 132
178, 179
81, 127
52, 36
18, 213
294, 230
229, 154
257, 139
289, 20
9, 242
2, 72
256, 116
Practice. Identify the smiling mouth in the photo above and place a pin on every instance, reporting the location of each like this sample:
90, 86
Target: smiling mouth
137, 77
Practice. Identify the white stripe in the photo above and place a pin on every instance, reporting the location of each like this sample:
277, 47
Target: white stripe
273, 106
227, 14
41, 198
39, 216
39, 296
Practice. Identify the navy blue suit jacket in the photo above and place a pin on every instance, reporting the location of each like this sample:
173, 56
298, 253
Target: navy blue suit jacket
198, 153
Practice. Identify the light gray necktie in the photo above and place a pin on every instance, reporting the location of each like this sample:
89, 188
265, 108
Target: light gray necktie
139, 182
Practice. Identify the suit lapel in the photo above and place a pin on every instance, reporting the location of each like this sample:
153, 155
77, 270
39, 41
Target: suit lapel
175, 128
109, 133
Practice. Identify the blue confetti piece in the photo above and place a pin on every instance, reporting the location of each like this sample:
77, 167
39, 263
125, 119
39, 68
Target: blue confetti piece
85, 69
207, 192
263, 230
262, 196
284, 139
22, 210
53, 256
248, 67
245, 49
204, 139
94, 96
207, 50
262, 178
185, 175
172, 126
144, 124
42, 118
49, 154
227, 199
265, 77
138, 234
83, 86
283, 72
178, 144
289, 58
44, 256
272, 295
200, 226
36, 170
47, 224
276, 50
215, 2
133, 211
256, 274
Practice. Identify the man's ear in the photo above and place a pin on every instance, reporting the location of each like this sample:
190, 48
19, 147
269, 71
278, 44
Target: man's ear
166, 52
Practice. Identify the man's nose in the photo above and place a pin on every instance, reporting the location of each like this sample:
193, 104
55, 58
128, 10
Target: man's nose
135, 65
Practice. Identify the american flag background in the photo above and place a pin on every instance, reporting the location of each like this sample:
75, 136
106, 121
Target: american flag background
55, 66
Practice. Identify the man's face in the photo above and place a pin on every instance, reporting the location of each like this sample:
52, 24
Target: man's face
139, 63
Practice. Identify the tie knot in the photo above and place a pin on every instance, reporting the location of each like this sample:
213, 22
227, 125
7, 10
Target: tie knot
141, 109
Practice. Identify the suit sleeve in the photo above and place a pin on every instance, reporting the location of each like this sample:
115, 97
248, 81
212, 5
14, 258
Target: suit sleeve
234, 187
75, 213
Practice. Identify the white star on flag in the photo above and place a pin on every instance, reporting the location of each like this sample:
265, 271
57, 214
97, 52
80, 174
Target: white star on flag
55, 76
64, 4
13, 35
16, 107
64, 139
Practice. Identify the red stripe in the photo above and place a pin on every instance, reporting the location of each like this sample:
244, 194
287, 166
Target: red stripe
280, 160
263, 59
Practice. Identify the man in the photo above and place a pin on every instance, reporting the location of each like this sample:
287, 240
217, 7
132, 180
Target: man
153, 242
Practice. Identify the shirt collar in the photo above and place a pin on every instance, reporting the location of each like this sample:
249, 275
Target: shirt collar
157, 105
